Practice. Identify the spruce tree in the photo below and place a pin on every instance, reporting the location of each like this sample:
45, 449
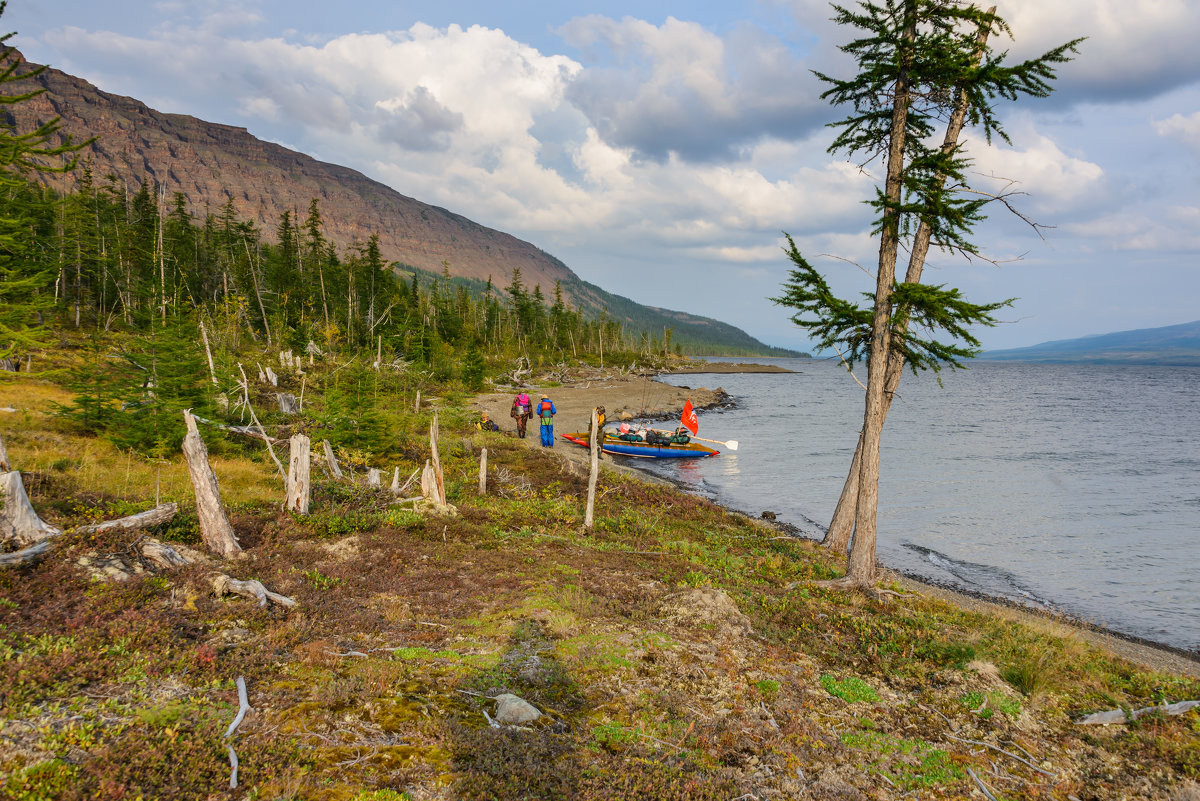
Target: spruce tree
25, 271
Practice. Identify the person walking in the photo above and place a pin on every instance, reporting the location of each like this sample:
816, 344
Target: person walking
546, 412
522, 410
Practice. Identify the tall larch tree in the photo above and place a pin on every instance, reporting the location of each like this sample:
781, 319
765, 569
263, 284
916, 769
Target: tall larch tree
920, 62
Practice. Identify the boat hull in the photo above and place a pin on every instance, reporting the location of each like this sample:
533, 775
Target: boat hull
645, 450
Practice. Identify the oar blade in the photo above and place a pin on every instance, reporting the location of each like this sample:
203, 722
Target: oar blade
732, 444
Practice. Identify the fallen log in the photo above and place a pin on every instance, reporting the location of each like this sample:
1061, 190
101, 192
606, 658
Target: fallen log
157, 516
26, 556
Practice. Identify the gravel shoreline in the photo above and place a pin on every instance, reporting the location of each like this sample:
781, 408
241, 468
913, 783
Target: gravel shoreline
643, 397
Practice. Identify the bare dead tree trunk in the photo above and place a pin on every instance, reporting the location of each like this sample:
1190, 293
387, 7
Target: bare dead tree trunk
245, 384
437, 462
331, 460
299, 477
212, 371
483, 471
374, 478
215, 530
594, 448
287, 403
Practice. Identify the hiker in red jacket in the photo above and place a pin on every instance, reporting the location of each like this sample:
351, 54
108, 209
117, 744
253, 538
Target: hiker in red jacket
522, 410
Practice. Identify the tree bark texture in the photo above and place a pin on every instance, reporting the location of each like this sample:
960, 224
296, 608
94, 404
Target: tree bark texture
215, 530
299, 477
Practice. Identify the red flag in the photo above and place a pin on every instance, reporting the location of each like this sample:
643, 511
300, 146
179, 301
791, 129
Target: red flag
690, 422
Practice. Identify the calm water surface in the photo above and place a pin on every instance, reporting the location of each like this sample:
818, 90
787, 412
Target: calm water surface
1074, 488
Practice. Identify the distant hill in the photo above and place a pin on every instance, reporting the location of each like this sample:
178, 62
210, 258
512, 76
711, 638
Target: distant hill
1176, 345
212, 163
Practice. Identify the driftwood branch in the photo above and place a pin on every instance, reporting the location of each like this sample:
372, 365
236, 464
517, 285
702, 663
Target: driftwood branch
1121, 716
225, 585
243, 708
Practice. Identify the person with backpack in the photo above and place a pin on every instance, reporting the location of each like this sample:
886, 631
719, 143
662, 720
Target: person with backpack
522, 410
546, 412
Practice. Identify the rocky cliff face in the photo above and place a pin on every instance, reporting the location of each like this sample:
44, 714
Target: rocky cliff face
210, 163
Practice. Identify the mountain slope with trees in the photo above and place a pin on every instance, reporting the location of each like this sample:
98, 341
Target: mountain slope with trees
221, 169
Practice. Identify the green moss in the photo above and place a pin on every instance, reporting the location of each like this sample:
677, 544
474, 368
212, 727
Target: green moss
850, 689
908, 764
45, 781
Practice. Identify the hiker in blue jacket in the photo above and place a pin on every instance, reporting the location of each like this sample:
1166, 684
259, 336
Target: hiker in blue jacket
546, 412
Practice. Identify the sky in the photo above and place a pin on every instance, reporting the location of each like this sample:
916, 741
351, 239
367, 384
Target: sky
661, 148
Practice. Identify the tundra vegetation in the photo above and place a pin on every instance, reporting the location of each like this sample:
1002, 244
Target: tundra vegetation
671, 650
674, 650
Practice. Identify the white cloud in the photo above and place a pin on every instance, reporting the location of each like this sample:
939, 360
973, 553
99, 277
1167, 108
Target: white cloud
1051, 179
1134, 47
1182, 129
1176, 229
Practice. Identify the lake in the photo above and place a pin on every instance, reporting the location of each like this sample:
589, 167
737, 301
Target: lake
1065, 487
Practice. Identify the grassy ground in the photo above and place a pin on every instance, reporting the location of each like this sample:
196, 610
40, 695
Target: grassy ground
677, 651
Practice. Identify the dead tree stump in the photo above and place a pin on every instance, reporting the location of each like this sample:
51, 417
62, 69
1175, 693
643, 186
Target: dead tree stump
594, 447
299, 480
214, 525
19, 523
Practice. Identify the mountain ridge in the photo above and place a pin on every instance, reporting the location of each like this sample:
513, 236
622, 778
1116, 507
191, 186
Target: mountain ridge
211, 163
1172, 345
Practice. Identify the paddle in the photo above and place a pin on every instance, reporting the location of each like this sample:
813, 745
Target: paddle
731, 444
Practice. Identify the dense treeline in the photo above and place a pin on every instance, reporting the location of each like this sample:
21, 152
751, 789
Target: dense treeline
112, 258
